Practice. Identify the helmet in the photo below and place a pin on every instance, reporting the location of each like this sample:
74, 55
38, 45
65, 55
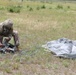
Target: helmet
8, 23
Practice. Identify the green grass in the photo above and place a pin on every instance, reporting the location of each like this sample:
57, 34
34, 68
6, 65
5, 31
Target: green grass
36, 27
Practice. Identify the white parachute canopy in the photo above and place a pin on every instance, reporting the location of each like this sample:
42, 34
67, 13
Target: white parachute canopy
62, 47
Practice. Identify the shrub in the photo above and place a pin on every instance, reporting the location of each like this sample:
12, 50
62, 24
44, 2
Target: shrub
19, 6
27, 6
15, 9
2, 8
11, 10
59, 7
43, 7
30, 9
68, 7
38, 8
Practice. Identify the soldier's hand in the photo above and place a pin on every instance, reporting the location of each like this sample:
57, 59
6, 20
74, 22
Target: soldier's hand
7, 39
1, 45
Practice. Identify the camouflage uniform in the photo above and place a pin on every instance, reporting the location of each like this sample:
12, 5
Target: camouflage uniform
6, 30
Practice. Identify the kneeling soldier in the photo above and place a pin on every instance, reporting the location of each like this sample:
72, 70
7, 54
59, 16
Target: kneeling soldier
6, 30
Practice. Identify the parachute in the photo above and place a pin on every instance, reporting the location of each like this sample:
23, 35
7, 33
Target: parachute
62, 47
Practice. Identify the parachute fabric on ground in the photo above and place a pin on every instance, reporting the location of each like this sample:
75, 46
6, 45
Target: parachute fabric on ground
62, 47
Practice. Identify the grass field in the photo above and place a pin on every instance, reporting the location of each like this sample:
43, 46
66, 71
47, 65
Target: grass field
38, 23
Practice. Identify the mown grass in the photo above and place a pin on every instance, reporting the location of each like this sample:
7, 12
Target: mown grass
36, 27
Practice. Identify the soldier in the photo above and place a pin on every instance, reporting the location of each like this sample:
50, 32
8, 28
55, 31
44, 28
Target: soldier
6, 30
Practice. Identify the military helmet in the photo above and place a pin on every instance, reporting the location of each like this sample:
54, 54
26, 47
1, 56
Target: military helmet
8, 23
